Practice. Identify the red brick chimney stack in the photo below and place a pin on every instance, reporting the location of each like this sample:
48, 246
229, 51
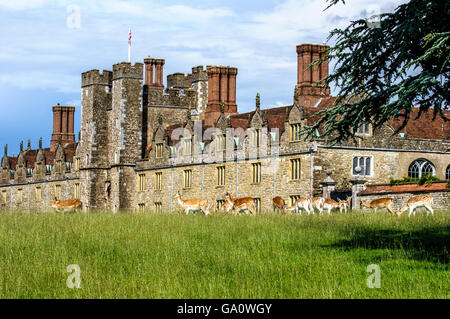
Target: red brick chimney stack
63, 120
154, 72
308, 77
221, 87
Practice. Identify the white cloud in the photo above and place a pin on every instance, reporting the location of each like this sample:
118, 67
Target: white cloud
64, 83
30, 4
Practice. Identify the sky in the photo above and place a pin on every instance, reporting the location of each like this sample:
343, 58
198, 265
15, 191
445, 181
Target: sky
47, 44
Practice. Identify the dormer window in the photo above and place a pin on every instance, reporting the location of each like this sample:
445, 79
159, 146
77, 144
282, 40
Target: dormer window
187, 144
58, 167
256, 137
219, 143
363, 129
77, 164
159, 150
294, 132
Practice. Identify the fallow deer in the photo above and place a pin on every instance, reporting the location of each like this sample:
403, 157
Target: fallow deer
278, 204
317, 202
191, 205
67, 205
331, 204
344, 205
303, 203
379, 203
416, 202
235, 205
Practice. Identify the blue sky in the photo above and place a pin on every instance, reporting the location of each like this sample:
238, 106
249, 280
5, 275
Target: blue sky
46, 47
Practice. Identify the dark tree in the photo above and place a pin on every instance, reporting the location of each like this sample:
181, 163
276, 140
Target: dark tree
386, 68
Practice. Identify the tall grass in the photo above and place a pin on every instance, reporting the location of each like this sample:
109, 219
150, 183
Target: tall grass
135, 255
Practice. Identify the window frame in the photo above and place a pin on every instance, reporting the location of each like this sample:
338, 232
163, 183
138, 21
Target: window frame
297, 164
158, 181
159, 150
220, 175
141, 182
421, 166
256, 173
294, 132
187, 179
366, 157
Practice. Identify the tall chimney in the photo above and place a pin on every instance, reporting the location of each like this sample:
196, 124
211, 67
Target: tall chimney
221, 88
154, 71
63, 120
307, 77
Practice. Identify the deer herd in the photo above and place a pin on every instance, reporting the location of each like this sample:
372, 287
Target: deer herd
307, 204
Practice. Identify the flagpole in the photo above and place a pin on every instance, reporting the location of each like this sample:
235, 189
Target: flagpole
129, 44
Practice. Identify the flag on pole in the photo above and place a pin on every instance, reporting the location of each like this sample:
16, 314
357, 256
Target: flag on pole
129, 44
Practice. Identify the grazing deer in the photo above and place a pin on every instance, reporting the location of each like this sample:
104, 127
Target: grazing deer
379, 203
291, 208
235, 205
331, 204
66, 205
317, 202
190, 205
303, 203
418, 201
345, 204
278, 204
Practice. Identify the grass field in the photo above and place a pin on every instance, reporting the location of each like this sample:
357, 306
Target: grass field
131, 255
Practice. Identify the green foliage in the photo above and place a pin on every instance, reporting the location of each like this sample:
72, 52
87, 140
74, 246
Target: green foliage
448, 184
404, 180
428, 180
146, 255
382, 72
424, 180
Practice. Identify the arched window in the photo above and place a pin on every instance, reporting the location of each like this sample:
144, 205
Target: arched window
421, 167
447, 173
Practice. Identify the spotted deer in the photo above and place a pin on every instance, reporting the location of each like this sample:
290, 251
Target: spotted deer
416, 202
345, 204
317, 202
67, 205
331, 204
303, 203
379, 203
235, 205
278, 204
191, 205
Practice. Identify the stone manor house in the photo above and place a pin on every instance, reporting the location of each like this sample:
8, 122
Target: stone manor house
140, 143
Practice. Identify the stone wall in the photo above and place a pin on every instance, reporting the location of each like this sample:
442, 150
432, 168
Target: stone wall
441, 200
24, 196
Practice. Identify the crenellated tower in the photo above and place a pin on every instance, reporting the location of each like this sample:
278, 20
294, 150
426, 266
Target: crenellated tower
96, 99
125, 134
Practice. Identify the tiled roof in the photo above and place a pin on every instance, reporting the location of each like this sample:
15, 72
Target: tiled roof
30, 156
406, 188
425, 126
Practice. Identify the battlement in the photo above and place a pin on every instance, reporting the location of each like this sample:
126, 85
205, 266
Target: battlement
199, 74
94, 77
179, 80
126, 70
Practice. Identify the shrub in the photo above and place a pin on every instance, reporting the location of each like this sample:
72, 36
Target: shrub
428, 180
424, 180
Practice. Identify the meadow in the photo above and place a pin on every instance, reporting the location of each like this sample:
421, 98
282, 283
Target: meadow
171, 255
